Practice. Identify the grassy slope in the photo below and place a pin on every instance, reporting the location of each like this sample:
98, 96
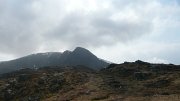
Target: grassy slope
116, 83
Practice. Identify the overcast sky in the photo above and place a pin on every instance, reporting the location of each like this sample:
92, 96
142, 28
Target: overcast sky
115, 30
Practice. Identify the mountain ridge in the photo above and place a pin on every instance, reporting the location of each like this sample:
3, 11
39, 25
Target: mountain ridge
79, 56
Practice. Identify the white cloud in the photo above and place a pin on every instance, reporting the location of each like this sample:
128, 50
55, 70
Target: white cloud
117, 30
157, 60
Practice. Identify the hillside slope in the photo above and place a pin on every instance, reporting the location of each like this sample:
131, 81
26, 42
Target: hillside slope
130, 81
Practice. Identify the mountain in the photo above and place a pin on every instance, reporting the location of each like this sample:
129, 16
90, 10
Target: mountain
79, 56
129, 81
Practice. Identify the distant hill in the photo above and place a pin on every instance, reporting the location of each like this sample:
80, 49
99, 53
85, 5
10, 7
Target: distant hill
79, 56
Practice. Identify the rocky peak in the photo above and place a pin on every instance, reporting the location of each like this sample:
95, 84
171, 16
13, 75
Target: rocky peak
81, 50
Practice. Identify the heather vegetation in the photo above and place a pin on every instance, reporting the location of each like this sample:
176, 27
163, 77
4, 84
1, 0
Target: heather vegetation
130, 81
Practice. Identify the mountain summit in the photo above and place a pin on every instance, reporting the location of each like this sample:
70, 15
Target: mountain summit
79, 56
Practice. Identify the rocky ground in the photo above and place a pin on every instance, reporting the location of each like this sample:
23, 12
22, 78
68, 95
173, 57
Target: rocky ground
130, 81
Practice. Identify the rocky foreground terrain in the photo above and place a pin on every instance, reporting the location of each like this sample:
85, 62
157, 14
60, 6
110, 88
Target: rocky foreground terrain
130, 81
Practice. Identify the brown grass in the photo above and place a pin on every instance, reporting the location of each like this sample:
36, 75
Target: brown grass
155, 98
